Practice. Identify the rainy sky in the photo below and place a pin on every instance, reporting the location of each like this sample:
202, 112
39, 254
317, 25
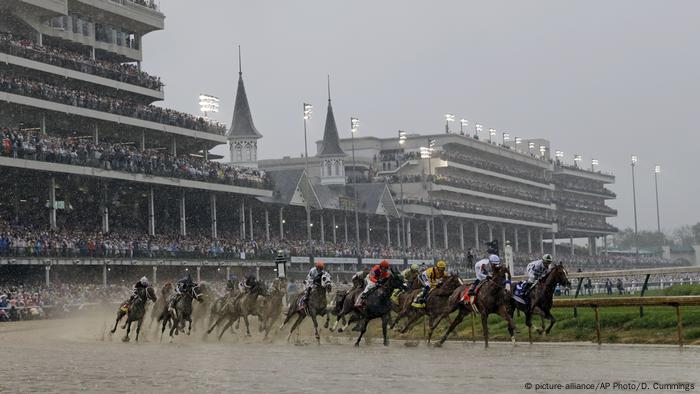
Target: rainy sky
598, 78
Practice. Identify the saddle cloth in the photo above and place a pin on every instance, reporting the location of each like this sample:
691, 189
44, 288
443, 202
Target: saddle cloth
518, 294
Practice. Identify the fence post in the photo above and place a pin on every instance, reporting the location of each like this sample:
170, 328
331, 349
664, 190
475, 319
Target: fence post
597, 323
680, 325
641, 294
473, 331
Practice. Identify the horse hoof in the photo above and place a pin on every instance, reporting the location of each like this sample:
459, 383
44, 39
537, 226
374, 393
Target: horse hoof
512, 340
340, 330
357, 344
126, 339
386, 343
438, 344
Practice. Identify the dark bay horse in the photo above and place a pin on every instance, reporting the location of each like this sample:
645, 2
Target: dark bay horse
135, 312
248, 304
493, 296
540, 299
181, 312
437, 300
161, 303
316, 305
378, 305
271, 307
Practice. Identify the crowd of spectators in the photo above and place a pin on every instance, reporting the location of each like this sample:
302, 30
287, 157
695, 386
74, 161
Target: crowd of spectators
588, 222
584, 185
471, 159
495, 210
64, 58
98, 100
33, 145
492, 187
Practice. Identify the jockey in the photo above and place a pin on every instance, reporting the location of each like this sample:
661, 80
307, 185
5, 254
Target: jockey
535, 270
482, 269
358, 280
182, 286
429, 279
315, 273
377, 276
141, 284
410, 274
232, 283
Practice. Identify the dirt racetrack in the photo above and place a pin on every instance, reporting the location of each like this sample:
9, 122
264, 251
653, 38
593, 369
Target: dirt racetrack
78, 355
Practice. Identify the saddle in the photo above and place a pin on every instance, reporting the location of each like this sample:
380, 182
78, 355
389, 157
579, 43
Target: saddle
467, 299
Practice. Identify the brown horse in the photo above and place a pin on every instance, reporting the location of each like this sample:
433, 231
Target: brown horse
437, 300
271, 306
540, 299
316, 305
135, 311
493, 296
160, 304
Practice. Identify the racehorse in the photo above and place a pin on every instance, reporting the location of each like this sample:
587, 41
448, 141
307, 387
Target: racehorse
161, 303
437, 299
248, 304
200, 310
345, 304
271, 307
492, 296
378, 305
135, 311
181, 312
540, 299
315, 305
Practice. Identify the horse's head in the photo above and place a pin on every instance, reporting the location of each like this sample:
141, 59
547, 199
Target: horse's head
559, 275
451, 282
338, 300
501, 275
151, 294
167, 289
396, 280
196, 293
326, 281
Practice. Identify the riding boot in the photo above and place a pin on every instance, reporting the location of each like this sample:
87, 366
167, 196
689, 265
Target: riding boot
472, 288
527, 286
419, 302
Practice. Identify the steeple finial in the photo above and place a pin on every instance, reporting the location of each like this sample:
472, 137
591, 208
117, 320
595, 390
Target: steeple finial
329, 88
240, 69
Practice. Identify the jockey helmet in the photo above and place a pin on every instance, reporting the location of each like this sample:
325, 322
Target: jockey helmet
320, 265
144, 281
441, 265
547, 258
415, 267
493, 259
384, 265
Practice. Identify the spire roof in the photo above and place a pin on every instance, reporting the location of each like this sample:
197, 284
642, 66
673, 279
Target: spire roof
331, 142
242, 124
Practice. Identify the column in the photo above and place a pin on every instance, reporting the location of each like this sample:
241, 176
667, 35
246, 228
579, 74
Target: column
257, 273
205, 152
529, 241
155, 275
96, 134
409, 243
40, 39
427, 232
281, 224
47, 275
212, 209
605, 245
388, 232
461, 235
228, 272
398, 234
52, 203
515, 239
104, 275
105, 219
476, 235
444, 233
199, 274
367, 223
345, 217
242, 220
323, 229
490, 233
267, 225
308, 223
151, 214
183, 217
541, 242
503, 237
335, 227
42, 124
571, 242
173, 147
554, 245
250, 216
142, 140
591, 241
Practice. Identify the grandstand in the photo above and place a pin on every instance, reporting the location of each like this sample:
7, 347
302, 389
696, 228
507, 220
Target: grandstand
94, 173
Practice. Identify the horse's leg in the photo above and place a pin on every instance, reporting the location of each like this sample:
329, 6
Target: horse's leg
245, 319
138, 328
552, 320
385, 324
503, 311
313, 319
485, 327
410, 322
458, 319
300, 317
337, 319
216, 323
228, 324
434, 325
362, 332
189, 326
120, 315
165, 323
538, 311
128, 330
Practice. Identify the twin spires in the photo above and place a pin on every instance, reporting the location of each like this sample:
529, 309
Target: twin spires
331, 142
242, 125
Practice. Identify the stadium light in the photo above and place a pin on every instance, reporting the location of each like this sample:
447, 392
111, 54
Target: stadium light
477, 128
208, 104
308, 111
462, 124
559, 154
543, 149
402, 137
634, 160
354, 124
634, 204
492, 132
448, 118
594, 164
506, 137
577, 160
657, 171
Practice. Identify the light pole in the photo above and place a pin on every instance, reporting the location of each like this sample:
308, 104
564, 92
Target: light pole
477, 128
657, 171
492, 132
462, 124
518, 141
530, 147
354, 125
506, 138
594, 164
543, 149
634, 202
308, 110
577, 160
448, 118
559, 155
402, 141
427, 153
208, 104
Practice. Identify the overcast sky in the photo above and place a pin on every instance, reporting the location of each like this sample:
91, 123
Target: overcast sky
604, 79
